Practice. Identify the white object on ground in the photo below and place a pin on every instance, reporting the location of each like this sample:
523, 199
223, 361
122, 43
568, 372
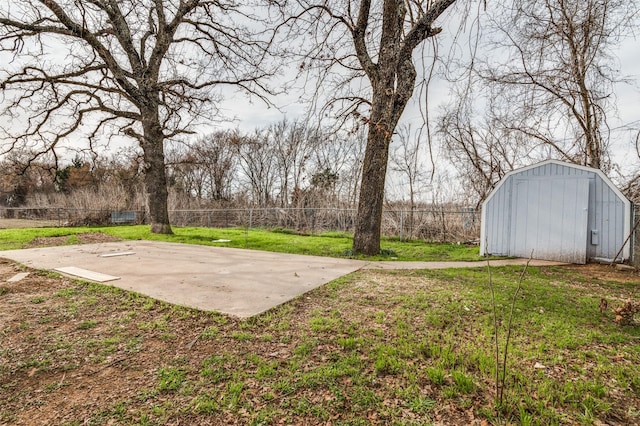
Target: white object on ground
86, 274
18, 277
123, 253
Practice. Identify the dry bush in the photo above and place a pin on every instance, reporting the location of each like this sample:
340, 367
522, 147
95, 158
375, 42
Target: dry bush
89, 205
625, 314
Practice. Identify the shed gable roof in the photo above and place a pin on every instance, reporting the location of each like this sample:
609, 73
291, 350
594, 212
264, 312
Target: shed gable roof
599, 172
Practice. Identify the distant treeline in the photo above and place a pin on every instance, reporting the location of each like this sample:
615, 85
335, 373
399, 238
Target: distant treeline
284, 165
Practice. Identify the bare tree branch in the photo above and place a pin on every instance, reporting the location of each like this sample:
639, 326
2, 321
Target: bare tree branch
147, 70
376, 40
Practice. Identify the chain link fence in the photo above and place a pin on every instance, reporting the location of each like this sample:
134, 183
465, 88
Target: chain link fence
438, 224
60, 217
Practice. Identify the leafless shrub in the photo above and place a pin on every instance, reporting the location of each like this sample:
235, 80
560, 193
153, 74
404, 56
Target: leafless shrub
626, 313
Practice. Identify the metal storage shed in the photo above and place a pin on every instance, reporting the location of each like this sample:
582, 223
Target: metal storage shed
561, 211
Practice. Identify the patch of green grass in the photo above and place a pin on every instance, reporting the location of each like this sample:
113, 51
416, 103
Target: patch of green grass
54, 386
38, 299
305, 347
387, 360
266, 369
436, 375
421, 404
39, 364
87, 324
206, 404
463, 383
73, 239
210, 332
242, 336
349, 343
213, 369
68, 293
167, 336
118, 410
170, 379
321, 323
330, 244
158, 324
233, 395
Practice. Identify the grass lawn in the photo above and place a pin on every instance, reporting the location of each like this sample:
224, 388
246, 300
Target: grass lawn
285, 241
375, 347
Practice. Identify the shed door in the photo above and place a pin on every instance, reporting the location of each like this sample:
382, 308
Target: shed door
549, 216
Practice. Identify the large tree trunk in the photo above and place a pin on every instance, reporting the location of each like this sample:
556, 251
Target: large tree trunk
366, 238
155, 178
392, 90
392, 80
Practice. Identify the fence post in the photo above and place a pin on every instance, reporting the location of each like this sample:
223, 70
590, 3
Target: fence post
246, 232
401, 223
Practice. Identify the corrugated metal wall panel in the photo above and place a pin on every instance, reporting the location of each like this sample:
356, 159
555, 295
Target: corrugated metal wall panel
498, 215
608, 220
550, 217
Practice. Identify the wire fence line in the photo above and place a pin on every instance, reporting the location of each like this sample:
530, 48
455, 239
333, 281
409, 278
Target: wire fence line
436, 224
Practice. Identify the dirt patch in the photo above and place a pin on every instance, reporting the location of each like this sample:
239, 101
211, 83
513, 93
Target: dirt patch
84, 238
58, 360
607, 273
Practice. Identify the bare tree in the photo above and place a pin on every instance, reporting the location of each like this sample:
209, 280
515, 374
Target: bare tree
407, 159
341, 153
20, 178
555, 73
374, 41
137, 69
206, 168
480, 150
258, 166
292, 143
631, 184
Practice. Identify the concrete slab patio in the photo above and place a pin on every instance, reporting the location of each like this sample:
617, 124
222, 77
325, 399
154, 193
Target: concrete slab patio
238, 282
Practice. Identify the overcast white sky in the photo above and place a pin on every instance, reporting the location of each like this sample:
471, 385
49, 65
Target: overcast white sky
248, 114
